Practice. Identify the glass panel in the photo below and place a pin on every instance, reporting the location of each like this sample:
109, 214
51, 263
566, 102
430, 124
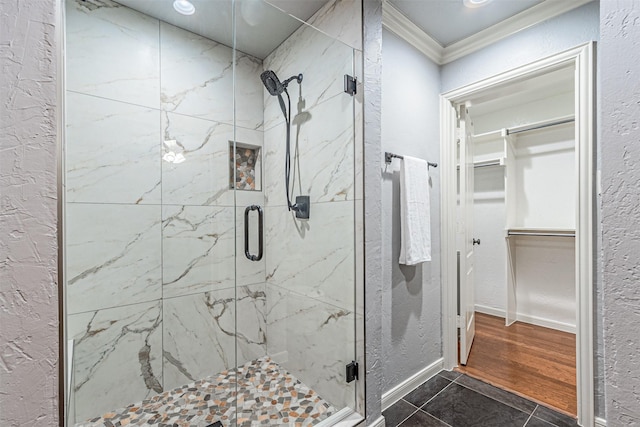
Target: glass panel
303, 290
173, 144
150, 216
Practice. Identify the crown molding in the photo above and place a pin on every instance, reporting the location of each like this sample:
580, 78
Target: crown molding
396, 22
541, 12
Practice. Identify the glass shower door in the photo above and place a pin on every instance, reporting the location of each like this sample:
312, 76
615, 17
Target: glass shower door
306, 278
194, 291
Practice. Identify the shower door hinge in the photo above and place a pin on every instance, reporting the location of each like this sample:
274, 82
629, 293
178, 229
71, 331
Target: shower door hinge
350, 84
352, 371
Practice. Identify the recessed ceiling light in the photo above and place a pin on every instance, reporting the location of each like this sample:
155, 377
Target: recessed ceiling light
185, 7
475, 3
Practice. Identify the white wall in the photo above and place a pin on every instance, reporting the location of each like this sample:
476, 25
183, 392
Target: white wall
619, 132
411, 294
544, 197
28, 241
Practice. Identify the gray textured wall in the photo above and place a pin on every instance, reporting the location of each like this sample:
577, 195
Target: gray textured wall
372, 71
620, 136
28, 245
411, 307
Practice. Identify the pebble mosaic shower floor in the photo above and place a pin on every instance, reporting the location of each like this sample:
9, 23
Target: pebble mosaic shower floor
267, 395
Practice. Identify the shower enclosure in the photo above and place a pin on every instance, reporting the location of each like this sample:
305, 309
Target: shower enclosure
193, 294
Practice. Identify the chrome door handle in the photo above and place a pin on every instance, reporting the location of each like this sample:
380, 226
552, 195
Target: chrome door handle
260, 233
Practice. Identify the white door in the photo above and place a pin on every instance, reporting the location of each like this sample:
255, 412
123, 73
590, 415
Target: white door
467, 320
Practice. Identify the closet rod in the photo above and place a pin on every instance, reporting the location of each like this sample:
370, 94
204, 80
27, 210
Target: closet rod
541, 125
388, 156
524, 233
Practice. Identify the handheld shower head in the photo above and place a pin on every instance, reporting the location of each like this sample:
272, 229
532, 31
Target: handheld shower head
273, 84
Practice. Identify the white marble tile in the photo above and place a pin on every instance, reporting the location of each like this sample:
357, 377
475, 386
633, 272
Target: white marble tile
113, 255
198, 245
199, 333
249, 92
322, 153
112, 151
251, 329
313, 257
323, 61
196, 160
318, 340
112, 51
197, 75
341, 19
117, 357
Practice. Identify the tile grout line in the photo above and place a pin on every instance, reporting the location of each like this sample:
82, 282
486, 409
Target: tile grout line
530, 416
492, 398
434, 396
435, 418
410, 415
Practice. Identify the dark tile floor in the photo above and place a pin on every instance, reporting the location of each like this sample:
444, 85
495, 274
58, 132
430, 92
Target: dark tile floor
456, 400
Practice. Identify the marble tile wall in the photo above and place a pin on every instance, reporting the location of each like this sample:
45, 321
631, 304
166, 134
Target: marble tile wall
311, 264
151, 223
151, 264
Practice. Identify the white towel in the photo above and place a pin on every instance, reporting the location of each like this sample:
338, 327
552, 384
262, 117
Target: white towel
415, 212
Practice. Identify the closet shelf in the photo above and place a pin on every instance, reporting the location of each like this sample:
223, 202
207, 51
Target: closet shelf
543, 232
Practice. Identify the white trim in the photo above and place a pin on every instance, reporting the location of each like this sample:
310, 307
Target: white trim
346, 417
600, 422
396, 22
546, 323
449, 264
379, 422
541, 12
410, 384
525, 318
582, 58
491, 311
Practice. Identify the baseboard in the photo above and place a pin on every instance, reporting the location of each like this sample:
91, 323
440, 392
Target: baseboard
489, 310
534, 320
600, 422
410, 384
377, 423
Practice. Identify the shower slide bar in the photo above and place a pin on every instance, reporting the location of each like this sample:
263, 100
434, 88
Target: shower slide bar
389, 156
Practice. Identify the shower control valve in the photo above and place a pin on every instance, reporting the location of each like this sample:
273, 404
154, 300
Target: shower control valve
302, 207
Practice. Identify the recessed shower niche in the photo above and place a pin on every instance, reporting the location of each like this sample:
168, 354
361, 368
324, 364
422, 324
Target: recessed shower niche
163, 311
245, 166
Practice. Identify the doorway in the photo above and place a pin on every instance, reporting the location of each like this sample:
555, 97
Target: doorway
532, 129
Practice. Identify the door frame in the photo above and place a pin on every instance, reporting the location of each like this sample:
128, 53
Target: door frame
582, 57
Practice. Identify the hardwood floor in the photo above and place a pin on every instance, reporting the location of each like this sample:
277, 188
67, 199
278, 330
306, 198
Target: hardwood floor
535, 362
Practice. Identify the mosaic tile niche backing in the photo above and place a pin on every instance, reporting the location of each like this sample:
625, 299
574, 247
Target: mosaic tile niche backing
260, 393
245, 162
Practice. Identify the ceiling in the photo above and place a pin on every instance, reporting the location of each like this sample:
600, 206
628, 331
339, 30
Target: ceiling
260, 27
449, 21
